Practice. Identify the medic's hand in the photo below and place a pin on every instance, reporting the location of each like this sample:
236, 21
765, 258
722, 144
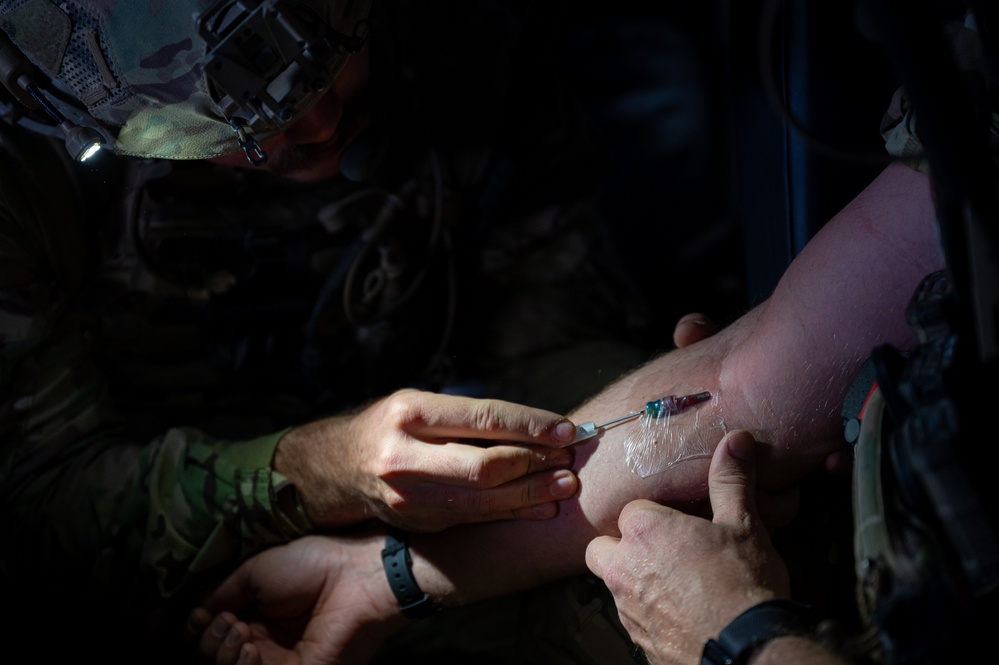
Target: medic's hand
777, 507
692, 328
678, 579
424, 461
317, 599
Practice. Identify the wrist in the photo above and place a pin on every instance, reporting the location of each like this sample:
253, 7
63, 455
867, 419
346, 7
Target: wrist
329, 495
743, 639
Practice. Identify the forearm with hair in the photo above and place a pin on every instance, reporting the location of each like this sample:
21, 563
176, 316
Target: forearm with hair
780, 371
330, 489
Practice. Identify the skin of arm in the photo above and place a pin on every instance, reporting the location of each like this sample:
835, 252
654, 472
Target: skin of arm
780, 372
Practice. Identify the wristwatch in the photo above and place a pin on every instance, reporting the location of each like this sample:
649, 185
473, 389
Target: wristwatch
398, 564
754, 627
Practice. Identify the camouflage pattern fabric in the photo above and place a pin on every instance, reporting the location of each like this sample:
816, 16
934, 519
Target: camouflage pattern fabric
89, 514
152, 347
138, 68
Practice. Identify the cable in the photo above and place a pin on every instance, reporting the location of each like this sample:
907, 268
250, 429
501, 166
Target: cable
768, 20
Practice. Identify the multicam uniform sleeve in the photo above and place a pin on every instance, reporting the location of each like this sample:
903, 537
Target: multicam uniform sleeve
79, 503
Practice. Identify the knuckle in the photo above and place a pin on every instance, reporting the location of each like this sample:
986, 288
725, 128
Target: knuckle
388, 461
536, 425
401, 406
516, 501
532, 493
494, 415
748, 525
480, 472
486, 416
395, 501
634, 520
499, 465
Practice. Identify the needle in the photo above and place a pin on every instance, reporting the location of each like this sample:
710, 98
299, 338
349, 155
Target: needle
667, 406
590, 429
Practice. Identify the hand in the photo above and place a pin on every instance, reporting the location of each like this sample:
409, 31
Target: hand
776, 507
678, 579
418, 460
692, 328
315, 600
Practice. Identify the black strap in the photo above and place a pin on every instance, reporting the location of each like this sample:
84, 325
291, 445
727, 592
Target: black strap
413, 603
756, 626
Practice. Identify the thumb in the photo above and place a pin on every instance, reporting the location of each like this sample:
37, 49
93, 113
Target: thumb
732, 479
692, 328
597, 552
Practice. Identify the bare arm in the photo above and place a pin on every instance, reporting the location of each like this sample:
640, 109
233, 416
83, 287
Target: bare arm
780, 371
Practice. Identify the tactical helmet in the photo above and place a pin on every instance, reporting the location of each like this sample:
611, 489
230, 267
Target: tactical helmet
177, 79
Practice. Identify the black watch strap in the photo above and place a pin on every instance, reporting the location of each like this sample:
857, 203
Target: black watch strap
413, 603
756, 626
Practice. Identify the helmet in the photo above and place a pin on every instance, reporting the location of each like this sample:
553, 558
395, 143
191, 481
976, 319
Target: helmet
179, 79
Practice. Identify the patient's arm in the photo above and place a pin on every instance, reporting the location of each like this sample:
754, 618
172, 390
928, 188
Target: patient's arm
780, 371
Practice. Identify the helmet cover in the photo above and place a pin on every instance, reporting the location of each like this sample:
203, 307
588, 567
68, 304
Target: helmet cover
143, 68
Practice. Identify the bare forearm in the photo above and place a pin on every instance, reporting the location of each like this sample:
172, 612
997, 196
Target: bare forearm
844, 295
780, 372
510, 557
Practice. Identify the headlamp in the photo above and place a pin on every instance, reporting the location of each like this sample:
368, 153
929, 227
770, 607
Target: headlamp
82, 142
175, 80
16, 75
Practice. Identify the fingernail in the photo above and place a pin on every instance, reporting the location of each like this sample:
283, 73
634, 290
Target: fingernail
564, 485
244, 654
564, 431
742, 446
233, 638
220, 627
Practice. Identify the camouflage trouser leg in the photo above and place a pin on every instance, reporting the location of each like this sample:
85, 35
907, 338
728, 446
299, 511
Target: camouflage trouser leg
573, 622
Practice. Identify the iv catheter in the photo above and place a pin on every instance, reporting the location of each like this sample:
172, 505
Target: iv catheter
666, 406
